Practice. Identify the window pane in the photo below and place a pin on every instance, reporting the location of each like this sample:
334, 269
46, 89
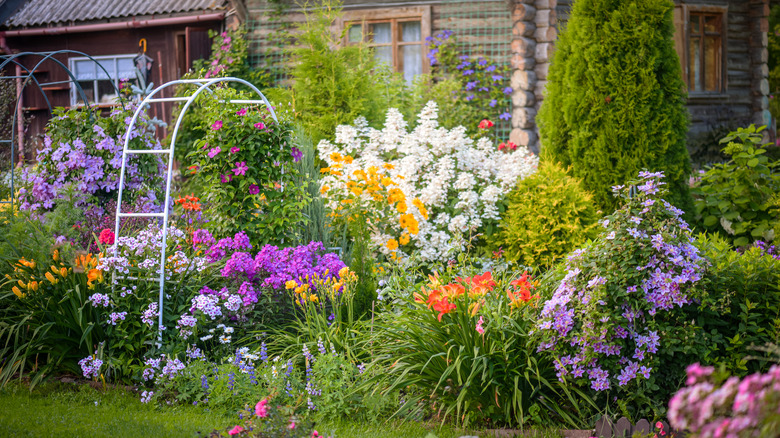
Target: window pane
384, 54
84, 69
712, 23
711, 61
126, 68
380, 33
410, 31
694, 25
411, 56
106, 92
107, 64
89, 91
694, 66
355, 33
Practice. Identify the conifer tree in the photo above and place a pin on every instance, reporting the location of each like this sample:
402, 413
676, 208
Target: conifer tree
615, 100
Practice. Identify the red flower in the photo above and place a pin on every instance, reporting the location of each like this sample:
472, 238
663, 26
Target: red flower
485, 124
106, 237
443, 306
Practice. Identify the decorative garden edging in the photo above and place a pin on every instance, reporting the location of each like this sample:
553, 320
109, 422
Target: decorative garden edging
623, 428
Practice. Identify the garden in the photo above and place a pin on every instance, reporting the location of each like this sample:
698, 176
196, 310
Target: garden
368, 256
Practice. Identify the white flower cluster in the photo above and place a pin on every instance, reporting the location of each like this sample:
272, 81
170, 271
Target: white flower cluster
459, 180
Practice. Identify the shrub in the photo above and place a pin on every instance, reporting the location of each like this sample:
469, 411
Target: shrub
436, 183
548, 215
245, 165
614, 102
617, 316
739, 198
741, 308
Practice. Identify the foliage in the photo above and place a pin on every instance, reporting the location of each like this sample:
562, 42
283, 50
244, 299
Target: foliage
714, 404
229, 58
333, 83
741, 309
484, 83
464, 342
245, 166
739, 198
618, 314
46, 324
83, 153
454, 183
266, 420
773, 40
548, 215
614, 102
317, 227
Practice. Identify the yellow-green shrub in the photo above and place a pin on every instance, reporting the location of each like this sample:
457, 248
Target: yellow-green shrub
548, 214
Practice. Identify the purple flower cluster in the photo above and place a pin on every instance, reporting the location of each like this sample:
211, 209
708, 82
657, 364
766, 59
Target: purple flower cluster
99, 300
276, 266
90, 164
90, 366
732, 408
168, 368
150, 314
600, 320
115, 317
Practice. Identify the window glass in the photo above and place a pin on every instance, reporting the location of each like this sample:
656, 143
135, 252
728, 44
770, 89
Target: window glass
711, 61
410, 31
411, 57
384, 54
99, 85
695, 67
355, 33
381, 33
84, 70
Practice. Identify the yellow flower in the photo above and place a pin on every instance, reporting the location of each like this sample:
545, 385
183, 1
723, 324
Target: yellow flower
404, 239
421, 207
94, 274
55, 255
17, 292
388, 166
324, 190
33, 286
392, 244
344, 272
372, 170
22, 284
290, 284
51, 278
357, 191
336, 157
401, 207
348, 159
408, 222
64, 272
313, 298
387, 181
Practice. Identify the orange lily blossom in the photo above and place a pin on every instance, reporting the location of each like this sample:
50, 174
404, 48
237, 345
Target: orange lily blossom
443, 306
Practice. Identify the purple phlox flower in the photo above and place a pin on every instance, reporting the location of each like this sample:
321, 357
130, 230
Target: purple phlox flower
240, 168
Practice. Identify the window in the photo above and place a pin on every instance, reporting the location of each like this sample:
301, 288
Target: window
397, 35
98, 85
700, 43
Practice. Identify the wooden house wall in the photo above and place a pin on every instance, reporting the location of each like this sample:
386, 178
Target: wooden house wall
736, 107
467, 17
161, 46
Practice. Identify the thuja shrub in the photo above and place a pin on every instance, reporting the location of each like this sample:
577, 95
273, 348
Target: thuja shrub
614, 102
620, 308
548, 215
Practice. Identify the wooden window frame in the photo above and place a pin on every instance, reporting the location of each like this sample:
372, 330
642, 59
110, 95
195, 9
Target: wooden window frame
395, 16
682, 37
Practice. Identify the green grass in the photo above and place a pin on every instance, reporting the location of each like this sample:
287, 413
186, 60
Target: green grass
58, 409
61, 409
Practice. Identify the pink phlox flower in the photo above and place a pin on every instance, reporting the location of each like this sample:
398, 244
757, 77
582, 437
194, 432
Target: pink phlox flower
236, 430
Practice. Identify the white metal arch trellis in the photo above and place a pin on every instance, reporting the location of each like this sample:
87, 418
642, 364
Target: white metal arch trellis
203, 85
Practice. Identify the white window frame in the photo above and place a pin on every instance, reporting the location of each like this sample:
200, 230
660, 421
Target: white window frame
75, 98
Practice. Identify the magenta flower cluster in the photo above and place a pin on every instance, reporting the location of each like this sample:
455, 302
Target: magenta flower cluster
733, 408
600, 322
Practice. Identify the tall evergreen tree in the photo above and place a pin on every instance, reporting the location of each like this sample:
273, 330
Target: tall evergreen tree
615, 101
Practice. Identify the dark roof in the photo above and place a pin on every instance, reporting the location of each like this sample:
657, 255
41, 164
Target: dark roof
38, 13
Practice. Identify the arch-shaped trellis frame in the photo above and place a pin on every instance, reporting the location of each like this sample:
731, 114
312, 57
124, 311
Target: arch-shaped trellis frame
14, 60
203, 85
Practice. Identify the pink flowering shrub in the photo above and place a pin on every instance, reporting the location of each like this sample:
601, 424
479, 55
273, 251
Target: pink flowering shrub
713, 405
